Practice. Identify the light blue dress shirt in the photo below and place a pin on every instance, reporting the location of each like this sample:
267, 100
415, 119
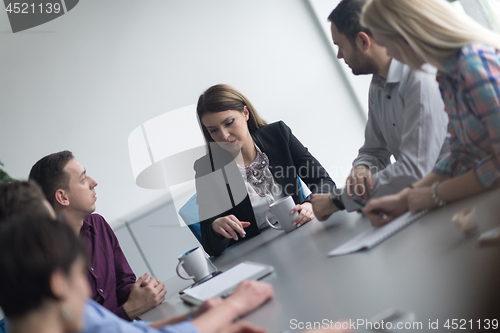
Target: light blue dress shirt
98, 319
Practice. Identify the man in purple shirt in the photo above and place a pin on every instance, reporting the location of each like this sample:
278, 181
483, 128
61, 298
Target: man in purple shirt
71, 192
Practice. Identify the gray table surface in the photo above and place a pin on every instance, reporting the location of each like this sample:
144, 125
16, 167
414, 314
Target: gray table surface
429, 268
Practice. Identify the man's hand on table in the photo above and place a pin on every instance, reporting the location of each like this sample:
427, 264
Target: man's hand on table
145, 295
249, 295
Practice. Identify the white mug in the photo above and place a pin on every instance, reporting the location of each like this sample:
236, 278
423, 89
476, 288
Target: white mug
281, 210
194, 263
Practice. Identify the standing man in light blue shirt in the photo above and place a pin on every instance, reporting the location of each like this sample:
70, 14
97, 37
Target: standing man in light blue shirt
406, 118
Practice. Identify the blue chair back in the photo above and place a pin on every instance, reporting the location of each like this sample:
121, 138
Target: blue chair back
302, 195
190, 215
3, 329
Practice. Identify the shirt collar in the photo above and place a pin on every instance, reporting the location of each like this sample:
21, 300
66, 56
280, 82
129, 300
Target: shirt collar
86, 227
395, 72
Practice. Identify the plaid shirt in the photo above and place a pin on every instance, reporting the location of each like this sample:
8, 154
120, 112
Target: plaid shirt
471, 93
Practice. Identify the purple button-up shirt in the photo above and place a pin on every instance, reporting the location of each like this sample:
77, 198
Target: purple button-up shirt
110, 276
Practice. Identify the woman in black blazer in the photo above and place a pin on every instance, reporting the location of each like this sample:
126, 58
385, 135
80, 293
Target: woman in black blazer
249, 164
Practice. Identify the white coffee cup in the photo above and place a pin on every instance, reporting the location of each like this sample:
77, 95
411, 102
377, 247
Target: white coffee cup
194, 263
281, 210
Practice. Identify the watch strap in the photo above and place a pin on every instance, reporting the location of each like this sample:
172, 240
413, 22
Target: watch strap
336, 201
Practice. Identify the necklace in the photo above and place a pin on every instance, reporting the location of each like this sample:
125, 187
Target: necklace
256, 175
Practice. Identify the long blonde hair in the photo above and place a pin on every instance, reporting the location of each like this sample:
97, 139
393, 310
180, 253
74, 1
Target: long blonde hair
434, 29
222, 97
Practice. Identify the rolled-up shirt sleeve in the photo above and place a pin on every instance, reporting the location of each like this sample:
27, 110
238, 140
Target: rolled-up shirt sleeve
459, 160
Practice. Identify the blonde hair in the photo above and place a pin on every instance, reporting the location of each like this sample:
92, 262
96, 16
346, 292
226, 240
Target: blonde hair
434, 29
222, 97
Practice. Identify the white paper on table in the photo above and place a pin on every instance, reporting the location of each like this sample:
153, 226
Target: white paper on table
227, 281
374, 236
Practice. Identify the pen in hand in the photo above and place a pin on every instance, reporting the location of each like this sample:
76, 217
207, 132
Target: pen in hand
375, 211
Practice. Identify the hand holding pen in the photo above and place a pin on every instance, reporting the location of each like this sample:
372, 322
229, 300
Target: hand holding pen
376, 211
382, 210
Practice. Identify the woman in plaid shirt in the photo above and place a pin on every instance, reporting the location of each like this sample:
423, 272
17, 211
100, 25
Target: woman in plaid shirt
468, 58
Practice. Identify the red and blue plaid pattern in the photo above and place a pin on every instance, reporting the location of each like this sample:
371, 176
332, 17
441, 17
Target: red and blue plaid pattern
470, 88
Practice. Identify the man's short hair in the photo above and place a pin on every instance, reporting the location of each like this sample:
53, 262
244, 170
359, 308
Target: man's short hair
49, 173
21, 198
346, 18
31, 250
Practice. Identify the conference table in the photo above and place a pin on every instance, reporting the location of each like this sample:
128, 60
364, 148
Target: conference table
430, 273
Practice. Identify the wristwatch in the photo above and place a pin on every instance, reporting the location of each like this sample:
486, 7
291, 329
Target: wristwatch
337, 201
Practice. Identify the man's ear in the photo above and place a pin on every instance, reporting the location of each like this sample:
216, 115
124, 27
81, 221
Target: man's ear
58, 284
61, 197
363, 41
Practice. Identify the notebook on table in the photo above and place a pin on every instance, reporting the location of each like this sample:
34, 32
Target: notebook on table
224, 284
374, 236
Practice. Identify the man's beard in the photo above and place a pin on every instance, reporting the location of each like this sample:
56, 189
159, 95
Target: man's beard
363, 64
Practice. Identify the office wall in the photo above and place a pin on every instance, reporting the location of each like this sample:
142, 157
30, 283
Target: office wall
84, 81
358, 83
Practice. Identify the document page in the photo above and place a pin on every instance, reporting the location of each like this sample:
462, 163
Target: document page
226, 281
375, 236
